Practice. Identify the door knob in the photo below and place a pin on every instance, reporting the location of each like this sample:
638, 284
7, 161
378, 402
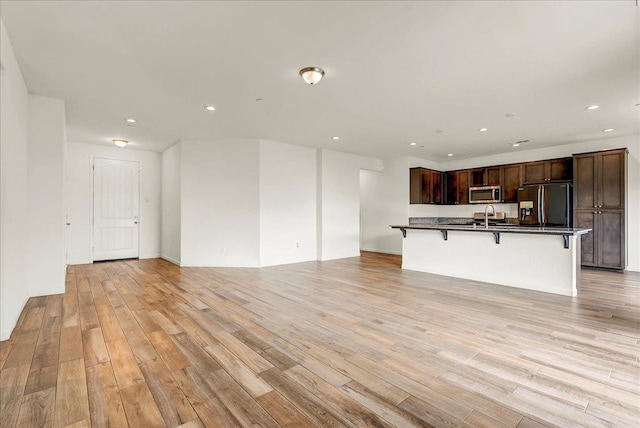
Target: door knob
135, 222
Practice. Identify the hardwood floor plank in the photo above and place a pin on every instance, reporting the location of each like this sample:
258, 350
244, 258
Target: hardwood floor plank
168, 351
72, 400
125, 367
239, 371
12, 382
140, 407
70, 344
37, 409
105, 402
94, 347
283, 412
22, 350
171, 402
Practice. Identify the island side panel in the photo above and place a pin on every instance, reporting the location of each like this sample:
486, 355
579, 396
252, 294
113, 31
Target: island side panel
534, 262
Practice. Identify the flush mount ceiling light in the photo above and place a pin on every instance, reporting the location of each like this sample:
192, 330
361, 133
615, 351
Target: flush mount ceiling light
593, 107
120, 142
483, 129
131, 120
209, 108
312, 75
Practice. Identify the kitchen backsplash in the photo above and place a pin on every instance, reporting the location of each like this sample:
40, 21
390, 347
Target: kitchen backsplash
416, 210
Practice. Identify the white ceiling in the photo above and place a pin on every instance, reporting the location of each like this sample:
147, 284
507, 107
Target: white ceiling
396, 72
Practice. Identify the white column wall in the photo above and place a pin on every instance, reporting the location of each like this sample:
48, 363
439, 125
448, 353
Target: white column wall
79, 199
339, 203
287, 203
14, 104
45, 196
220, 203
171, 203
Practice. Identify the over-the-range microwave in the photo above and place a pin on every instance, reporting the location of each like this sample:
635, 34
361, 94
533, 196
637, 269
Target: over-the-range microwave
485, 195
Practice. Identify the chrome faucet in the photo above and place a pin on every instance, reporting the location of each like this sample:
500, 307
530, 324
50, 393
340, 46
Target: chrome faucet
486, 215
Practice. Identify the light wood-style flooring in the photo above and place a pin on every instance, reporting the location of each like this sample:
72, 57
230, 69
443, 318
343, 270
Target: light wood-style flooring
352, 342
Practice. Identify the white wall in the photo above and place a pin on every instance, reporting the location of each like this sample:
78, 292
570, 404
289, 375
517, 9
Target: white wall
220, 200
78, 192
339, 203
384, 198
45, 196
287, 203
13, 187
171, 205
376, 202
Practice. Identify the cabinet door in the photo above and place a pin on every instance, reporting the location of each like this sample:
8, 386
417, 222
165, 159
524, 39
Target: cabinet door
477, 177
492, 175
611, 178
534, 172
435, 196
587, 220
452, 188
425, 195
610, 245
463, 187
415, 186
584, 181
560, 169
511, 180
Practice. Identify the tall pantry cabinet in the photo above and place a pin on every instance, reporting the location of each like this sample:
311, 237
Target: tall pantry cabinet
599, 203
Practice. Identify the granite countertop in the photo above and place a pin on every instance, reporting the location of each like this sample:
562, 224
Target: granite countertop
506, 228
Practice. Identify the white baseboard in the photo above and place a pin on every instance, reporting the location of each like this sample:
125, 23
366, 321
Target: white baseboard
171, 260
378, 250
6, 331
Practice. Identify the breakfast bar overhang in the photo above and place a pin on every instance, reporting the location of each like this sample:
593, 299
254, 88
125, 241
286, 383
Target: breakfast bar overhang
535, 258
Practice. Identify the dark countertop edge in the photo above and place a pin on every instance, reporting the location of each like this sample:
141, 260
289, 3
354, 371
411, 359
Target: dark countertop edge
498, 229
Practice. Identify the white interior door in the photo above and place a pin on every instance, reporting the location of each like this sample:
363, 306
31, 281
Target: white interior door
116, 208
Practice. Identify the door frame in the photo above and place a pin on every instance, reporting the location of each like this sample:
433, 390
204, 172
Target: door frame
91, 172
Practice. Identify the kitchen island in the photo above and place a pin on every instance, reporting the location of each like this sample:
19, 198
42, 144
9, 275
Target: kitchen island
536, 258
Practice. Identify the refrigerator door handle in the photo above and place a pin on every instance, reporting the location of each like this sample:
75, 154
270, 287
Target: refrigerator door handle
539, 204
543, 209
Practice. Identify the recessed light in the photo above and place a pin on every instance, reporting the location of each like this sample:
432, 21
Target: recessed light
516, 144
412, 144
593, 107
335, 138
450, 154
510, 114
131, 120
483, 129
607, 130
209, 108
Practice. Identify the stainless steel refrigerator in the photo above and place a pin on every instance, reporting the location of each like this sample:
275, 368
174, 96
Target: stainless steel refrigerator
546, 205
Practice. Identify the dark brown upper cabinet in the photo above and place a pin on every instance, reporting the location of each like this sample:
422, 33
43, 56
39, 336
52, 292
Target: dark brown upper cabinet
489, 176
511, 181
599, 187
600, 180
457, 187
548, 170
425, 186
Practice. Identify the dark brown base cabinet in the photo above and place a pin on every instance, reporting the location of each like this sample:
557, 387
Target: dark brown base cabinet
599, 202
605, 246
